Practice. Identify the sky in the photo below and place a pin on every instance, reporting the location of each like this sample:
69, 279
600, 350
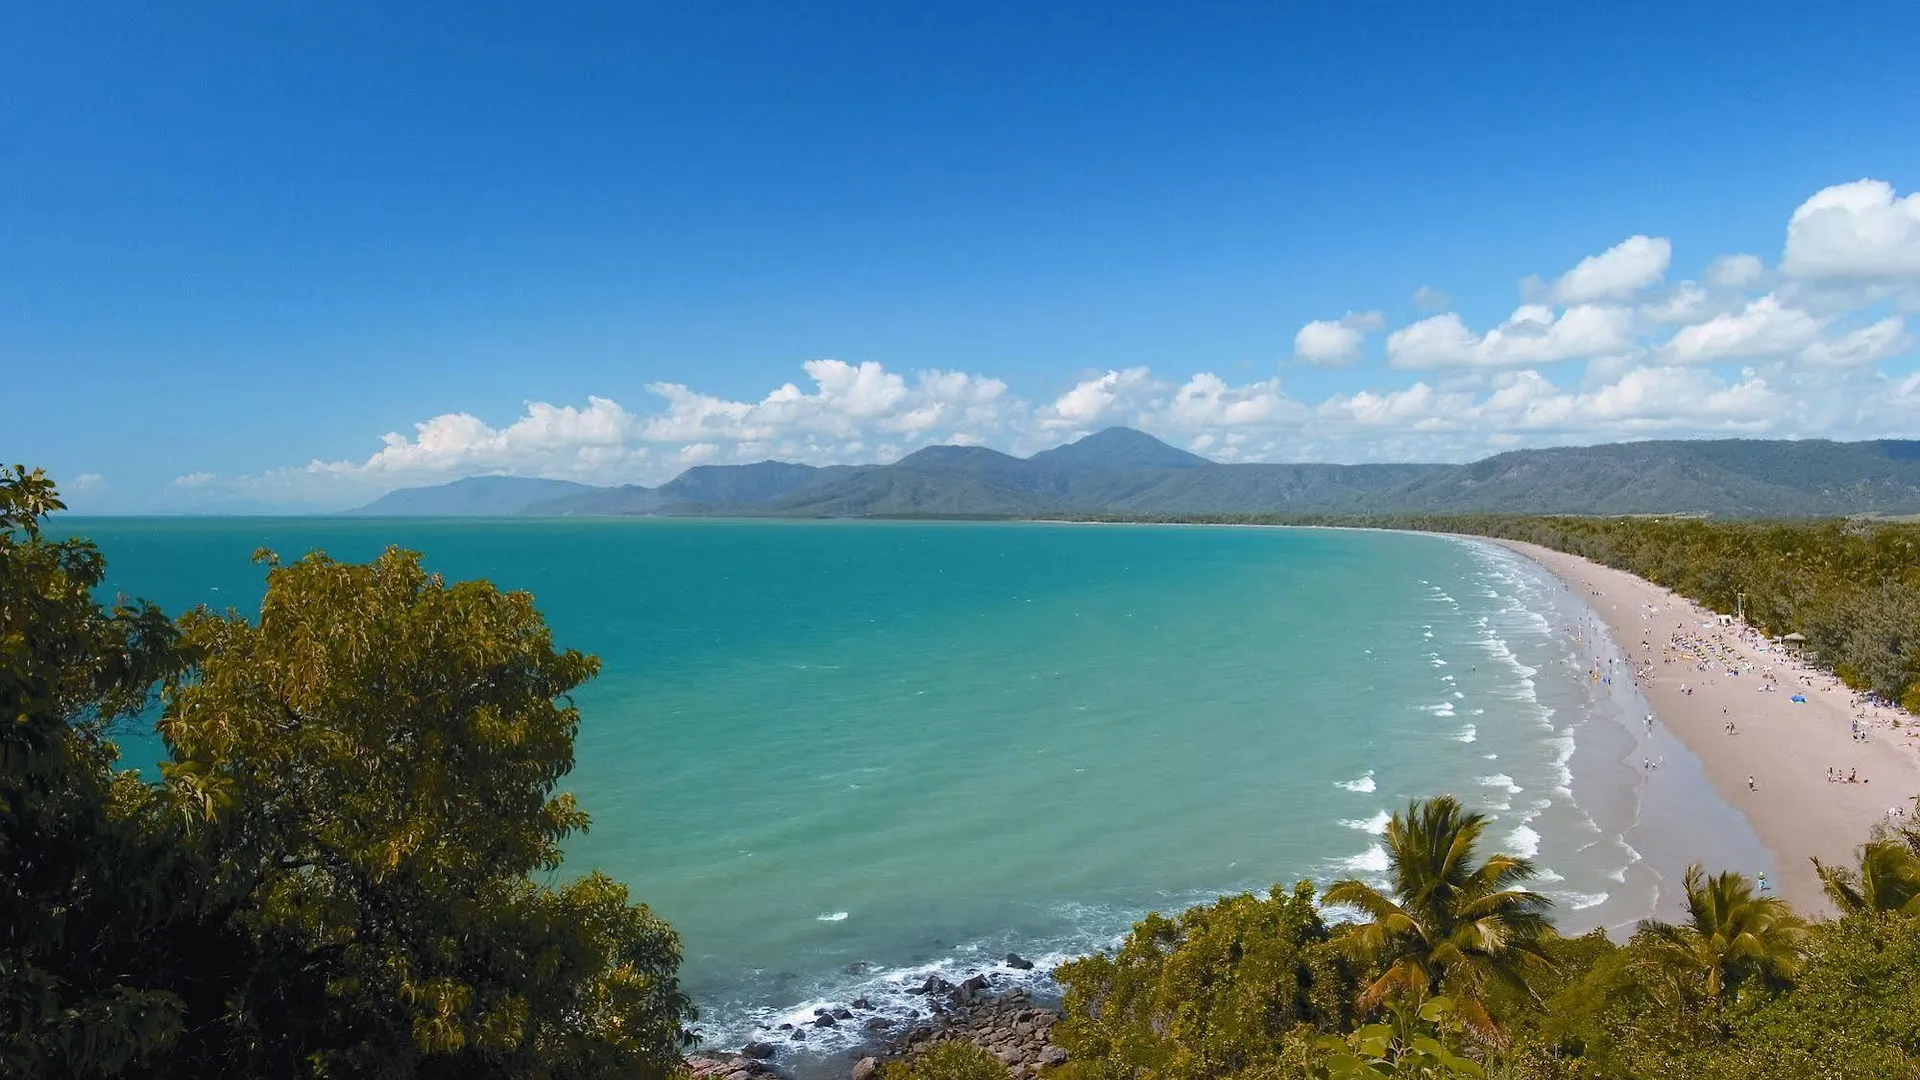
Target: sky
291, 256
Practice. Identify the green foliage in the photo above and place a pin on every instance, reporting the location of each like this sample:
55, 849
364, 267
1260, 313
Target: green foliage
1853, 1010
949, 1059
1735, 944
331, 878
1887, 878
1413, 1045
1448, 923
1212, 992
87, 870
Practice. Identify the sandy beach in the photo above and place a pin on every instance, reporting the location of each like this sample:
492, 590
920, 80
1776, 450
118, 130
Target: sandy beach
1699, 676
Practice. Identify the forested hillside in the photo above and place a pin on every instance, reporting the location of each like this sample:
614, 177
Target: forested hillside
1120, 470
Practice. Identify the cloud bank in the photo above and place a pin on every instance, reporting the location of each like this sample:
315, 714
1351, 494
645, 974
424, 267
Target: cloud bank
1817, 346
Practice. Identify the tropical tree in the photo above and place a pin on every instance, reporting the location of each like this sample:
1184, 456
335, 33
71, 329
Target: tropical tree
1211, 992
1888, 879
1735, 943
332, 877
377, 758
91, 887
1448, 922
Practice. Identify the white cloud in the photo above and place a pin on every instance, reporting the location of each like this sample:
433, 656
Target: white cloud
549, 438
1735, 271
1099, 401
1430, 298
87, 483
1763, 328
1417, 407
1821, 353
1617, 273
1333, 342
1858, 231
1867, 345
1533, 334
1686, 303
1207, 402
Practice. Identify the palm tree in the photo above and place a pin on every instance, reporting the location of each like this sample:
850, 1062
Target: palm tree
1888, 879
1448, 922
1732, 943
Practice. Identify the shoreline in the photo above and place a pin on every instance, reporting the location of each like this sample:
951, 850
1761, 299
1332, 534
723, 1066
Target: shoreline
1695, 806
1684, 657
1660, 826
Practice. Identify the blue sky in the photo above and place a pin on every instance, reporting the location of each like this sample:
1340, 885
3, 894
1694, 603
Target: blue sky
272, 256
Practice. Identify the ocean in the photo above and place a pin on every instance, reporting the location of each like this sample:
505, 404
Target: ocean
839, 756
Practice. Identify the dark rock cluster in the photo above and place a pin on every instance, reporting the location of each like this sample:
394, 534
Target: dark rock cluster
1008, 1025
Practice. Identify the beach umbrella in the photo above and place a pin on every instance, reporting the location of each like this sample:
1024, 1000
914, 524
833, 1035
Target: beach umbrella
1801, 698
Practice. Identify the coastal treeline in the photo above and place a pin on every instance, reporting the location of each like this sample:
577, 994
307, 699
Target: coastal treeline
329, 876
1451, 969
1850, 587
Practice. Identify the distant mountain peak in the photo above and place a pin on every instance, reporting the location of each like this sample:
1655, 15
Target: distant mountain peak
947, 454
1119, 448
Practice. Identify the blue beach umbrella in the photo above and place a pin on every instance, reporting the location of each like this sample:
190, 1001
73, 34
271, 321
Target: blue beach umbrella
1801, 698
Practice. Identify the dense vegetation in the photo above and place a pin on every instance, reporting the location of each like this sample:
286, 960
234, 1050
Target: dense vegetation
1851, 587
1453, 970
330, 876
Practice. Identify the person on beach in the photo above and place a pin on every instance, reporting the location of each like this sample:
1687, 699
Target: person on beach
1750, 784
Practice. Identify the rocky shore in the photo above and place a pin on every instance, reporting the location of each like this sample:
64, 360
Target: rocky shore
1008, 1024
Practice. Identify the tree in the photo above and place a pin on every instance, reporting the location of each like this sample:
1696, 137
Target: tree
1888, 879
1733, 943
1208, 993
1448, 923
331, 877
376, 761
90, 884
1412, 1046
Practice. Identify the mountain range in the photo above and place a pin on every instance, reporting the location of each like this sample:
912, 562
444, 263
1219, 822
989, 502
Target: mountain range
1120, 471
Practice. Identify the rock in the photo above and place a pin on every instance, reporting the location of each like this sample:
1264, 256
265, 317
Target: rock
865, 1068
934, 985
978, 982
861, 1003
825, 1020
879, 1022
1053, 1055
858, 967
798, 1035
1018, 962
759, 1051
842, 1014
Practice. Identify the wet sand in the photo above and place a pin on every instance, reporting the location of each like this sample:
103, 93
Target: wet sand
1785, 747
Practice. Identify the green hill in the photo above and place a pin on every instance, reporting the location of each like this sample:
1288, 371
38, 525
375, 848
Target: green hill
1125, 472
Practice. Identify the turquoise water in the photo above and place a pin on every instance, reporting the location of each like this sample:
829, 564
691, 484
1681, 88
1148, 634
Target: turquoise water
840, 755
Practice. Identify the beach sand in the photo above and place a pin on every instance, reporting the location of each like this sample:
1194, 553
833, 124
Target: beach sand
1786, 747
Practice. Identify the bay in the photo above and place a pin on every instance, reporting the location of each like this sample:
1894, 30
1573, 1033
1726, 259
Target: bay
838, 756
